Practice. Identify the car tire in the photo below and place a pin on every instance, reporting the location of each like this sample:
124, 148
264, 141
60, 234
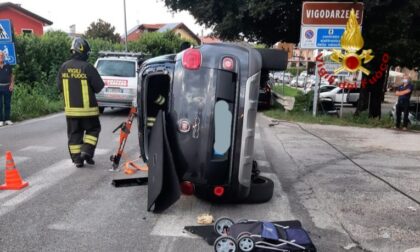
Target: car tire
101, 110
261, 190
273, 59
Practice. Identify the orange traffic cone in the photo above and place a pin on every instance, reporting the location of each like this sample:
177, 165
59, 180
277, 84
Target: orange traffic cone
13, 181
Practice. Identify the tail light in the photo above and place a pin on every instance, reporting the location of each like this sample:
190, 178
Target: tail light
219, 191
187, 188
192, 59
228, 63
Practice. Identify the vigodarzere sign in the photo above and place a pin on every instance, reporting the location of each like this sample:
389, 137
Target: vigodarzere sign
330, 13
323, 23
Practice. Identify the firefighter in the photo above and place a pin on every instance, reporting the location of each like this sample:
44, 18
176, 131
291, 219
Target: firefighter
78, 80
157, 102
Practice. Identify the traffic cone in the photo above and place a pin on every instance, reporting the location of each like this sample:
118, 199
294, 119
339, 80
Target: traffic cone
13, 181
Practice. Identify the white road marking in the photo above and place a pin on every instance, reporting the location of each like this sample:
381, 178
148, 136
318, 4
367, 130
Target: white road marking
17, 124
99, 151
40, 181
37, 148
17, 159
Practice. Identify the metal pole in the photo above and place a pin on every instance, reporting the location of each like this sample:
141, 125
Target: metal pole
316, 89
417, 110
284, 72
125, 27
342, 103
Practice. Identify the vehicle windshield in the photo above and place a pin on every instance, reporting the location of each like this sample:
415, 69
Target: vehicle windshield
116, 68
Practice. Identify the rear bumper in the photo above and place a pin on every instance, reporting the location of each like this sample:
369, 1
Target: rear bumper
122, 102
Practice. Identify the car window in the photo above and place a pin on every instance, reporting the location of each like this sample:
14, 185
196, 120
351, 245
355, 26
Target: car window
116, 68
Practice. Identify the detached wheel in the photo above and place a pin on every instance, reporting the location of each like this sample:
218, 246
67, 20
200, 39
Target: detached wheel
222, 224
261, 190
246, 243
225, 244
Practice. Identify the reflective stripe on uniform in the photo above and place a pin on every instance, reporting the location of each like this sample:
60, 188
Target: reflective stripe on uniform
151, 121
90, 139
75, 148
66, 93
82, 111
160, 100
85, 94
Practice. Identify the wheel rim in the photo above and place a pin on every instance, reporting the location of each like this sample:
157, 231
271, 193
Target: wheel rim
246, 244
222, 224
225, 245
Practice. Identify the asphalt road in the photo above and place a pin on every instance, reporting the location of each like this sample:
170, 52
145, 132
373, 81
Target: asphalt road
343, 207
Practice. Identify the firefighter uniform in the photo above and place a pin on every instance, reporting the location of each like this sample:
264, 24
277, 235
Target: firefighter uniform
78, 80
156, 102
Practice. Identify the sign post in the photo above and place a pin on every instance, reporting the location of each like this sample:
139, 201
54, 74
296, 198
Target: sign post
322, 26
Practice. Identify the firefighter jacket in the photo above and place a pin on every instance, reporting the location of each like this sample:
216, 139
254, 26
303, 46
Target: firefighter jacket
78, 80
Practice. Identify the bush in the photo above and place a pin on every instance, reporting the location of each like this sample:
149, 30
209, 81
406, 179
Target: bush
29, 102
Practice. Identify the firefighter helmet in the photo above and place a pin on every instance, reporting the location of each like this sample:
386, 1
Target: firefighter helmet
80, 45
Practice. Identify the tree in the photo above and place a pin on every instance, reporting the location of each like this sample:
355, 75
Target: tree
103, 30
391, 26
157, 43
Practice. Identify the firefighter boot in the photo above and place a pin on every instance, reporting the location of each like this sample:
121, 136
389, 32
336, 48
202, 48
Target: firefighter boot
78, 162
87, 157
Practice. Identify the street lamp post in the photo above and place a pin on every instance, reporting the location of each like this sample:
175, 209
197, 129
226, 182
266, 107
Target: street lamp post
125, 27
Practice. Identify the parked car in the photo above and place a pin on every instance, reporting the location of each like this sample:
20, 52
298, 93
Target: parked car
119, 71
298, 81
202, 139
337, 95
413, 113
280, 77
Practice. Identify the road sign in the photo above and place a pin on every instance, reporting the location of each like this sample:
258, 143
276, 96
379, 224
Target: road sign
313, 37
330, 13
9, 52
5, 30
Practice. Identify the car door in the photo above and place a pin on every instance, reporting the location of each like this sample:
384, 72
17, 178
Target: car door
341, 96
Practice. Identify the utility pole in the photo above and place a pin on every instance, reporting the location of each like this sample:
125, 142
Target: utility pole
125, 27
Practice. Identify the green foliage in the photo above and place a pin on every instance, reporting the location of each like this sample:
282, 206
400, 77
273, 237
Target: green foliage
157, 43
102, 30
39, 58
97, 45
389, 26
29, 102
295, 70
363, 120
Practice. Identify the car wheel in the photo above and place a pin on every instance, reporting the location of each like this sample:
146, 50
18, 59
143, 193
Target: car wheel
101, 110
261, 190
273, 59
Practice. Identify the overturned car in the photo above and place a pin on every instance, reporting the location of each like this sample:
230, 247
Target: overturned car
196, 115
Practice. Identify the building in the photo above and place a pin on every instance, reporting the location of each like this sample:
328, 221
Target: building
210, 40
23, 21
178, 28
295, 54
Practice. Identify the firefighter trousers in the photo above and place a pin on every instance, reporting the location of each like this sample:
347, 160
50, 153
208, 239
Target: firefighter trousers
83, 136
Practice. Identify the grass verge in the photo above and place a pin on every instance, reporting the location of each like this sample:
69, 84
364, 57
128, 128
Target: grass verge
288, 91
278, 112
30, 102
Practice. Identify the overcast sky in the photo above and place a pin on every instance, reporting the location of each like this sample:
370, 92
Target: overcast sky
83, 12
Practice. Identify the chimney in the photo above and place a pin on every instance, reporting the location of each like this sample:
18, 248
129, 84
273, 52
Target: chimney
72, 29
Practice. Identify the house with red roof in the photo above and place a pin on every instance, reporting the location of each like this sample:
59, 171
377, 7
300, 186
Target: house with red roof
23, 21
178, 28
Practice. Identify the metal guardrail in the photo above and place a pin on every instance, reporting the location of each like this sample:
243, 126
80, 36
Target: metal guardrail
287, 102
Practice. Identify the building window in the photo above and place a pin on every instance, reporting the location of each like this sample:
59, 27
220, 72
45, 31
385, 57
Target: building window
27, 31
